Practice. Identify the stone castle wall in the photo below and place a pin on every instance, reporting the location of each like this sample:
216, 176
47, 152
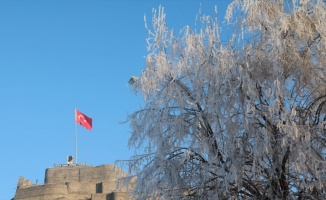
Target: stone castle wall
77, 182
82, 174
34, 192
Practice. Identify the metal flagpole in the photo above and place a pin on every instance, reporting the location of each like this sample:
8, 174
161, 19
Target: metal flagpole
76, 152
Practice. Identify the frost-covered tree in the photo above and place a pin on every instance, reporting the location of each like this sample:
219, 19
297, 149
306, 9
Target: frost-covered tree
244, 119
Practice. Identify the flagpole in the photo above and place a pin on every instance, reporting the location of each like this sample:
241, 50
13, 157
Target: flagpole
76, 152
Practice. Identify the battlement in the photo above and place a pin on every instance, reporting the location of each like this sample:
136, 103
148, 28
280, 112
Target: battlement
82, 182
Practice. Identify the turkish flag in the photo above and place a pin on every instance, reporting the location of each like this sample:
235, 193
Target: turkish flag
83, 120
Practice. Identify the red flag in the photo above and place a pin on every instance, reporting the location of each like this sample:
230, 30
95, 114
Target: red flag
83, 120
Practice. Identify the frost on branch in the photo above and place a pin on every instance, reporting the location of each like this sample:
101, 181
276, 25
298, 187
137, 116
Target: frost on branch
242, 120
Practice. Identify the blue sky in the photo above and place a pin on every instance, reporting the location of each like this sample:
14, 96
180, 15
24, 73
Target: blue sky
56, 56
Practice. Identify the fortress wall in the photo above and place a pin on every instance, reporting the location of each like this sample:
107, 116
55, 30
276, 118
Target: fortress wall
77, 182
91, 175
100, 173
88, 174
99, 196
44, 197
111, 196
41, 190
117, 196
78, 197
109, 186
61, 175
112, 186
81, 188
